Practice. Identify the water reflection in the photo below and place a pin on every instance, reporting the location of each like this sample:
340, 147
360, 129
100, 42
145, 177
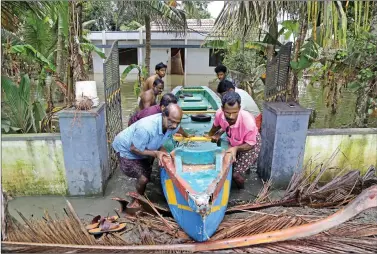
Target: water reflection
310, 96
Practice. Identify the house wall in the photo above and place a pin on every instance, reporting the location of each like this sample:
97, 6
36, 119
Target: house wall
33, 164
197, 59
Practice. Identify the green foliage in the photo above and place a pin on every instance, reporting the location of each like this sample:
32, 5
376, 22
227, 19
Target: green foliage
29, 51
89, 47
196, 9
20, 114
39, 33
308, 55
243, 62
142, 76
131, 26
290, 27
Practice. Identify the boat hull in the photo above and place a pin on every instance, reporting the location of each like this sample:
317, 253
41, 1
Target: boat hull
198, 227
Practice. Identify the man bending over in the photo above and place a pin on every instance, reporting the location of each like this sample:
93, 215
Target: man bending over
140, 143
242, 132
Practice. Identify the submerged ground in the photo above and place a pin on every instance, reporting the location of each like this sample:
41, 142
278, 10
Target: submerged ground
120, 184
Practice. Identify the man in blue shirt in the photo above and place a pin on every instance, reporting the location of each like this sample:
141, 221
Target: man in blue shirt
140, 143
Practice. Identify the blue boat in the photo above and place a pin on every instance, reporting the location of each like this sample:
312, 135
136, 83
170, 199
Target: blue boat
196, 183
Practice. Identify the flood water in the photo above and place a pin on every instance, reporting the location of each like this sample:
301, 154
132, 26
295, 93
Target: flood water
309, 96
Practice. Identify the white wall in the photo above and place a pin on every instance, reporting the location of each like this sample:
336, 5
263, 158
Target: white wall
197, 61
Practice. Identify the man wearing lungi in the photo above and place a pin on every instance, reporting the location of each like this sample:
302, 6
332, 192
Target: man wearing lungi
242, 132
140, 143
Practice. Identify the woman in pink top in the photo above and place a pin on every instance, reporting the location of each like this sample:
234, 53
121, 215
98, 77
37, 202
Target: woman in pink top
242, 133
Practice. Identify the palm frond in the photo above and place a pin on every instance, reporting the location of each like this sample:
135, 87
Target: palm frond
11, 10
166, 17
237, 19
39, 33
17, 100
8, 36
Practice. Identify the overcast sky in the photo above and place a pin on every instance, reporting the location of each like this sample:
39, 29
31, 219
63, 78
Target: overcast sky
215, 7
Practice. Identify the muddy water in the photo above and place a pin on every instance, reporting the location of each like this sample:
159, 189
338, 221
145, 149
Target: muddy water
309, 96
312, 97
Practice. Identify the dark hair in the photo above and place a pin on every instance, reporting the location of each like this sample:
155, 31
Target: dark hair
220, 68
167, 99
166, 111
160, 66
231, 98
224, 86
157, 82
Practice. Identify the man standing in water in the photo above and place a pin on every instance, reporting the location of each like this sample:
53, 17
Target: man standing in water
148, 98
221, 72
140, 143
242, 132
160, 73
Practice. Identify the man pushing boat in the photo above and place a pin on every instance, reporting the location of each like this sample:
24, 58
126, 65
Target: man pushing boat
140, 143
148, 98
247, 102
242, 132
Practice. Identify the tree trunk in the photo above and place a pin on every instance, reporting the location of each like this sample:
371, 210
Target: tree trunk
60, 46
77, 70
147, 43
293, 80
270, 52
361, 110
60, 64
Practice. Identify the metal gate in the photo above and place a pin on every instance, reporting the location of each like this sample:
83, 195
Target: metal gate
277, 75
113, 102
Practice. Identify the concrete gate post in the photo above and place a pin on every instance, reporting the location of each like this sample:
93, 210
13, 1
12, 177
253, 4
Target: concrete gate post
284, 128
83, 135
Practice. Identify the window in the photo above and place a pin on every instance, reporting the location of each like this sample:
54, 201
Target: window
127, 56
216, 57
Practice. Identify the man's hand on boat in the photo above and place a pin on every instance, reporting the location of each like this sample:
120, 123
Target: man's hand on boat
233, 152
214, 138
181, 132
160, 155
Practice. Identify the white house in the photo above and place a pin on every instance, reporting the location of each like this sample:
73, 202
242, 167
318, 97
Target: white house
195, 59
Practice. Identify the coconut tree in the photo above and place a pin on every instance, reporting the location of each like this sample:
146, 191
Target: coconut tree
327, 21
162, 13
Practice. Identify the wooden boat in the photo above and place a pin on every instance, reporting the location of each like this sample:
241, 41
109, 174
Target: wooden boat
197, 181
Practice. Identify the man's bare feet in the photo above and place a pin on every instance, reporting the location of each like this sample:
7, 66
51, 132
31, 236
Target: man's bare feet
239, 180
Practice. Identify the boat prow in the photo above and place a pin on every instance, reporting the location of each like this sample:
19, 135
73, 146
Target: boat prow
197, 185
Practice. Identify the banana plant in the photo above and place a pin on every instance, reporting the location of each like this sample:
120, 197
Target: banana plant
142, 76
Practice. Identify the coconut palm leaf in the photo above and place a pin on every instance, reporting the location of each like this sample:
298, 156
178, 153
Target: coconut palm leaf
11, 10
39, 33
238, 18
17, 100
8, 36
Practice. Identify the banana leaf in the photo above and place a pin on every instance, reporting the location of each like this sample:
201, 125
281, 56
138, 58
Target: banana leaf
91, 47
28, 50
129, 69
